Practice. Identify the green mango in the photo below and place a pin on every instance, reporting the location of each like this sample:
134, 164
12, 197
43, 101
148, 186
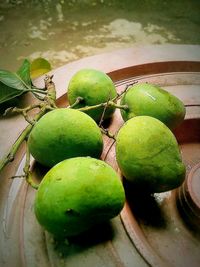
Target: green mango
64, 133
151, 100
76, 194
148, 155
94, 87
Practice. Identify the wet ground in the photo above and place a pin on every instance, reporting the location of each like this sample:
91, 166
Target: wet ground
63, 31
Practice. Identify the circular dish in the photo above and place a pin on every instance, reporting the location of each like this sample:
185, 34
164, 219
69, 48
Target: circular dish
155, 232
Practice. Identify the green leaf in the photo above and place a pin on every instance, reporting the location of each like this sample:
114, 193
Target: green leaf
39, 66
24, 72
13, 80
11, 86
7, 93
15, 84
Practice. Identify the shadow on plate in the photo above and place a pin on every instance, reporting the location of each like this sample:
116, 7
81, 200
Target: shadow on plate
145, 207
100, 233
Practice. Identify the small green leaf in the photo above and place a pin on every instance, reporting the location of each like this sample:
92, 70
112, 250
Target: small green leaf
24, 72
39, 66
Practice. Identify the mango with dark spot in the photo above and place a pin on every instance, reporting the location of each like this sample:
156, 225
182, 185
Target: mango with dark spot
87, 192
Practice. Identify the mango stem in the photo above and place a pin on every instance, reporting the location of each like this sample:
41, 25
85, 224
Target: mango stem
47, 104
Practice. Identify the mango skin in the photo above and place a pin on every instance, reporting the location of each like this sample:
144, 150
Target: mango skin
76, 194
151, 100
64, 133
95, 87
148, 155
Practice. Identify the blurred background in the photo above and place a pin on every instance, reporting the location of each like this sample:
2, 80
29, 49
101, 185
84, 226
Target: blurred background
64, 31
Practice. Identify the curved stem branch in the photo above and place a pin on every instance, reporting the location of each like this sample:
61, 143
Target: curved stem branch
27, 172
38, 91
11, 154
48, 104
106, 132
108, 104
78, 100
30, 181
124, 107
103, 113
119, 95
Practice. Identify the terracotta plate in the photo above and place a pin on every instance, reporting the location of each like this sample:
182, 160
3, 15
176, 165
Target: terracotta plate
159, 230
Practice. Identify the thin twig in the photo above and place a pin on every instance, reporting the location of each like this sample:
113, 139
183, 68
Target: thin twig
104, 111
108, 104
113, 104
192, 105
26, 170
41, 98
11, 154
27, 174
107, 133
127, 87
42, 89
28, 118
24, 112
79, 99
21, 110
38, 91
50, 98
